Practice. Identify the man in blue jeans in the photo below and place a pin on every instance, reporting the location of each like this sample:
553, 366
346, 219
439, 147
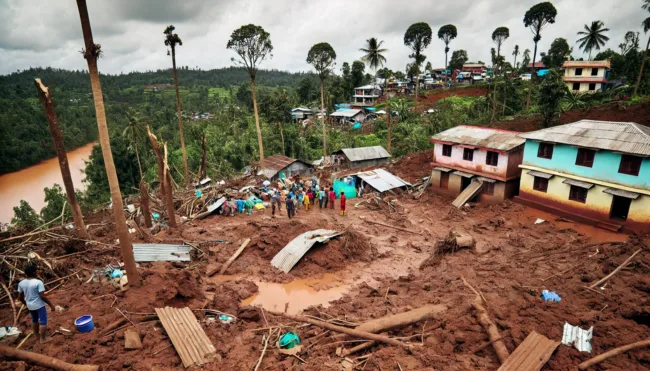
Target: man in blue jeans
32, 294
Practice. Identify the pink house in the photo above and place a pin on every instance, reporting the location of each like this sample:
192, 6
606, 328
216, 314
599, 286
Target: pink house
484, 158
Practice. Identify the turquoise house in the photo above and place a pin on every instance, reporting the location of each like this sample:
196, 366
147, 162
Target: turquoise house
590, 171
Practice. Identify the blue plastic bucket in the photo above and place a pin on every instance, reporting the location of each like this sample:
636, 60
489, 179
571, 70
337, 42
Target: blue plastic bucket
84, 323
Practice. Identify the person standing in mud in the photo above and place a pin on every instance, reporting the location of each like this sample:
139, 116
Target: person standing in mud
278, 199
332, 198
31, 292
342, 203
290, 209
325, 197
320, 194
274, 203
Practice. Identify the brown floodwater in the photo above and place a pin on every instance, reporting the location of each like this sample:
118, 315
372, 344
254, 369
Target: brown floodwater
28, 184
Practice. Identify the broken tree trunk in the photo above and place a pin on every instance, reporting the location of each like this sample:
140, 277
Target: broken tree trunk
144, 203
169, 196
604, 279
157, 150
394, 321
348, 331
57, 139
204, 166
234, 256
43, 360
614, 352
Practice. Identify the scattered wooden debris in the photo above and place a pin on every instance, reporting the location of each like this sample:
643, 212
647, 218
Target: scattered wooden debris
390, 226
604, 279
132, 340
614, 352
234, 256
531, 355
189, 339
43, 360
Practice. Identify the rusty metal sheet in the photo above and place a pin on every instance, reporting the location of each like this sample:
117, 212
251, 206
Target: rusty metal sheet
502, 140
531, 355
289, 256
622, 193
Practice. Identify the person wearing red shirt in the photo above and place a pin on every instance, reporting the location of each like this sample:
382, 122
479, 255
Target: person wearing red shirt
342, 203
332, 198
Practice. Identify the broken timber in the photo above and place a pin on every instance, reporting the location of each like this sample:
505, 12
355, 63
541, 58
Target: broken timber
189, 339
531, 355
43, 360
391, 226
472, 190
289, 256
234, 256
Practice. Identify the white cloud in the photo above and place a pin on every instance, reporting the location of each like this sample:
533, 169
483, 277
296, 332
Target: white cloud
48, 33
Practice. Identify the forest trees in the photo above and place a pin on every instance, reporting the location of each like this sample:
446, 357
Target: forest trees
172, 39
458, 59
646, 28
418, 38
322, 57
557, 54
252, 44
551, 92
91, 53
593, 37
515, 53
536, 18
447, 33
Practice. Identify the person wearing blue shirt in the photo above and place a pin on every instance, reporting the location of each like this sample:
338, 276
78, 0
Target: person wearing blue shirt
31, 292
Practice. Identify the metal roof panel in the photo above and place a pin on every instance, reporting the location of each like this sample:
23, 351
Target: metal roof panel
365, 153
498, 139
382, 180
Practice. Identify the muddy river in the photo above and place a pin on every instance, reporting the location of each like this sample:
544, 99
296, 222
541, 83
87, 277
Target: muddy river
28, 184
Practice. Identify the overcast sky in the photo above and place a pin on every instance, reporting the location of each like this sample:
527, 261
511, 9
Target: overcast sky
48, 33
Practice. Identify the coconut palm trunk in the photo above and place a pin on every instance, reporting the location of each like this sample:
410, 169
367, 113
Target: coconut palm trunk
144, 203
180, 119
57, 139
157, 150
257, 123
91, 53
532, 77
137, 154
645, 56
390, 129
282, 137
322, 119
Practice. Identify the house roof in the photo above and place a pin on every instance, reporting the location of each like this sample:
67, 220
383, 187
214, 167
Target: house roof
537, 65
365, 87
626, 137
302, 109
382, 180
572, 64
365, 153
503, 140
278, 162
473, 65
346, 113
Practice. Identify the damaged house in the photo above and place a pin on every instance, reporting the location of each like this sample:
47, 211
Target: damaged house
477, 163
595, 172
279, 166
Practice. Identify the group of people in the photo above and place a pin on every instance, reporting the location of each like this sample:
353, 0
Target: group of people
304, 196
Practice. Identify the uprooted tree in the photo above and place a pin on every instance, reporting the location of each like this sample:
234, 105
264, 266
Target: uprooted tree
164, 176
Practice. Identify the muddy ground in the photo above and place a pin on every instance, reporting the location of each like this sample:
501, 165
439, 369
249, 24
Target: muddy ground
369, 272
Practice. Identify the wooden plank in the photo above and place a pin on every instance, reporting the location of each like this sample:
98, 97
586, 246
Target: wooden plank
201, 335
194, 334
234, 256
531, 355
175, 337
181, 327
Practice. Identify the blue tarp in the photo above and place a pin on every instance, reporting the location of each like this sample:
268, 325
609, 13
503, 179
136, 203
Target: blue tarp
349, 189
542, 72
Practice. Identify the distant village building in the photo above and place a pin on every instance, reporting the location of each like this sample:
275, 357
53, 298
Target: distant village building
155, 87
279, 166
477, 163
474, 68
536, 66
590, 171
300, 113
366, 96
348, 116
586, 76
361, 157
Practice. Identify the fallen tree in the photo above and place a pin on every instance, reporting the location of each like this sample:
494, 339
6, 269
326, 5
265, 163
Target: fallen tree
43, 360
614, 352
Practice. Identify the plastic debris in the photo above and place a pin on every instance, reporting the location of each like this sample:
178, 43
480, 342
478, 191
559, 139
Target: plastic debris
550, 296
116, 273
574, 335
289, 340
155, 216
226, 318
199, 194
539, 221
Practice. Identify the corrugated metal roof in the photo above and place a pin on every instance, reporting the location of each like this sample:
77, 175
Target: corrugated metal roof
464, 175
155, 252
622, 193
571, 64
473, 65
578, 183
346, 113
216, 205
626, 137
540, 174
382, 180
503, 140
278, 162
365, 153
289, 256
580, 338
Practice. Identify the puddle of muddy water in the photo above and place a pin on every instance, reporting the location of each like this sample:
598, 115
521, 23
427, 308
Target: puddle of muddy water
299, 294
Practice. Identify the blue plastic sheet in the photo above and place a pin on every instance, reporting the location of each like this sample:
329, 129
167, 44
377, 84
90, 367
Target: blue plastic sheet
550, 296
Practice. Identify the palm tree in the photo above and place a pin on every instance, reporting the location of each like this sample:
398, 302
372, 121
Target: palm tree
91, 53
593, 37
132, 131
646, 28
57, 138
171, 40
515, 53
374, 56
447, 33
